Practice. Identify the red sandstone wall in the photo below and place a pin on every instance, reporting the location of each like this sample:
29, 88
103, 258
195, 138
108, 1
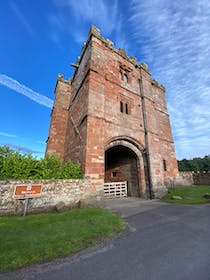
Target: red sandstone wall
59, 119
76, 138
161, 145
115, 90
106, 90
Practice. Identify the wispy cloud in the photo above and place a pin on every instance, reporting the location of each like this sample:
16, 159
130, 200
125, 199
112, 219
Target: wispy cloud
173, 38
22, 89
21, 17
185, 146
23, 149
41, 142
99, 13
73, 17
4, 134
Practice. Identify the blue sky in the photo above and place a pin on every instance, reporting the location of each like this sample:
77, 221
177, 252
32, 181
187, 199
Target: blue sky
40, 39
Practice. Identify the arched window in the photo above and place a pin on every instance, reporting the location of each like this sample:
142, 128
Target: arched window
125, 77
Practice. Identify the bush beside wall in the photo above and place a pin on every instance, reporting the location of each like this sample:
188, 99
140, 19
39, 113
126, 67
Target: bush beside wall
18, 166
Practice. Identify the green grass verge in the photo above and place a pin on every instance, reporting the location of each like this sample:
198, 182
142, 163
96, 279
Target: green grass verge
189, 195
35, 238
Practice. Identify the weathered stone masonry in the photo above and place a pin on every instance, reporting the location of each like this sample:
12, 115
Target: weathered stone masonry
113, 120
57, 195
189, 178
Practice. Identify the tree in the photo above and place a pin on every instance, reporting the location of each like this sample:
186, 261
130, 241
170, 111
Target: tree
195, 164
15, 165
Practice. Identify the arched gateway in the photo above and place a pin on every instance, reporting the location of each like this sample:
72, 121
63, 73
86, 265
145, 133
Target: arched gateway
104, 111
124, 162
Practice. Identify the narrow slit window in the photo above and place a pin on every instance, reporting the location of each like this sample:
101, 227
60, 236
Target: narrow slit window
120, 75
126, 108
75, 132
164, 165
125, 77
121, 106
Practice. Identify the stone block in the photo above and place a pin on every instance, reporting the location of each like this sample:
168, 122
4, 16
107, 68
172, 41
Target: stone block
60, 207
91, 201
176, 197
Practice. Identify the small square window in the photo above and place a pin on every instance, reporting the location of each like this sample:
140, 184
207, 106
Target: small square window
114, 174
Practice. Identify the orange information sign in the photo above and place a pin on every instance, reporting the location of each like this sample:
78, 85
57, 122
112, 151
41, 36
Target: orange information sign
22, 192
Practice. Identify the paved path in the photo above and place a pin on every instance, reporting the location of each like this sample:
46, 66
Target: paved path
163, 242
130, 206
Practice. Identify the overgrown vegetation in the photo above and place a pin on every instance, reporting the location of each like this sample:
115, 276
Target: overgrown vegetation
188, 195
195, 164
15, 165
35, 238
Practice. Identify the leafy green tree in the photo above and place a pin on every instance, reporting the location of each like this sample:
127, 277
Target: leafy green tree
71, 170
15, 165
195, 164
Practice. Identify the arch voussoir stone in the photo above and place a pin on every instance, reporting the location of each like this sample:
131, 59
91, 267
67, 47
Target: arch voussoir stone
133, 145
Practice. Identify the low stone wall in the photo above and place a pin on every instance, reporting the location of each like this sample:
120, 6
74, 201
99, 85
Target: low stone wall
57, 195
201, 178
184, 179
189, 178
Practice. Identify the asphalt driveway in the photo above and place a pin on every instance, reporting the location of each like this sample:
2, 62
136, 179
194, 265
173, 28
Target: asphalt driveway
162, 241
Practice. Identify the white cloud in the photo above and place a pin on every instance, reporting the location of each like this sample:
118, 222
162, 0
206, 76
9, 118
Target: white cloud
200, 147
22, 89
4, 134
101, 13
174, 40
41, 142
21, 18
23, 149
85, 9
76, 17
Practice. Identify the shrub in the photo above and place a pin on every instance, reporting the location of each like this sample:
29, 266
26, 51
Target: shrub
15, 165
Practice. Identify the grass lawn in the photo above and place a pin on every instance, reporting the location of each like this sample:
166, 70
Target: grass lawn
35, 238
189, 194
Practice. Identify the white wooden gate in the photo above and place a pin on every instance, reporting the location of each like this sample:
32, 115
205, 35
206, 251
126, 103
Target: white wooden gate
115, 189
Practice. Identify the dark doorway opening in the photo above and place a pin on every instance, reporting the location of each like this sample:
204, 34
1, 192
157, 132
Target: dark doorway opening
121, 165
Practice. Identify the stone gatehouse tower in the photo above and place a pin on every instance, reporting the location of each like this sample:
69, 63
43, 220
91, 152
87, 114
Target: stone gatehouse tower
112, 119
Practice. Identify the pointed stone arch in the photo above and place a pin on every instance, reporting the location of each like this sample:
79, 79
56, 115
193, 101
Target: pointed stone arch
124, 160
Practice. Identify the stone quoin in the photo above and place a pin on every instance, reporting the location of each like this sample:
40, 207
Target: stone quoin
111, 117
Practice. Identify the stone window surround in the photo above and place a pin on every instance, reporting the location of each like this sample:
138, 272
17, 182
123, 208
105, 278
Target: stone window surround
125, 107
123, 75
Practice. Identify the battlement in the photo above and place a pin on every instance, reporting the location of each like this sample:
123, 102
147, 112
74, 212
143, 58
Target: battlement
94, 31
